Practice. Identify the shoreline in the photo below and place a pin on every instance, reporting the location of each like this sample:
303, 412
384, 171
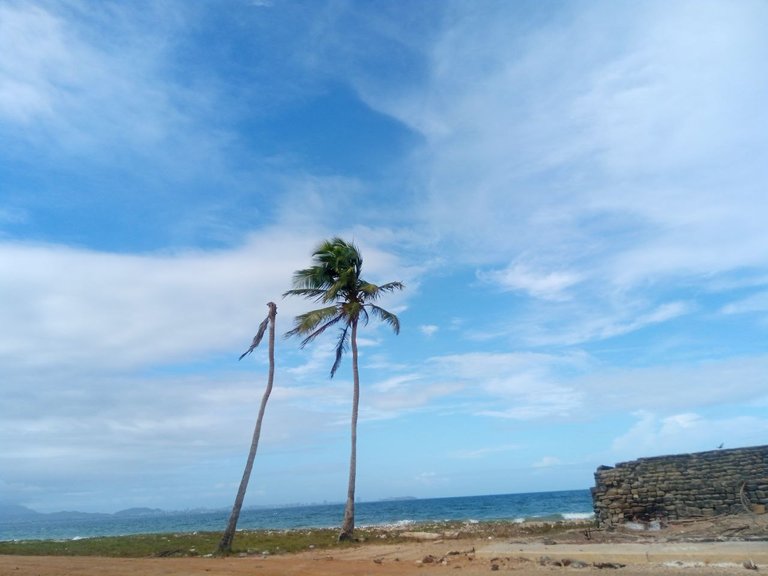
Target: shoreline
469, 525
716, 545
690, 547
550, 506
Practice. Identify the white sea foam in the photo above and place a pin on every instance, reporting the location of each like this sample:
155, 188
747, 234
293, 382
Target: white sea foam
578, 515
400, 523
397, 524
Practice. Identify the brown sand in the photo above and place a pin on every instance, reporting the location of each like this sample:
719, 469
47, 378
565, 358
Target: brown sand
708, 547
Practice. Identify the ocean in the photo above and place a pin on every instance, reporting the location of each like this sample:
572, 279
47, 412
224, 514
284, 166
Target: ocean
571, 504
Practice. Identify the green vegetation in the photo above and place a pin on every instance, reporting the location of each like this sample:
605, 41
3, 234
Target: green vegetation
258, 542
184, 544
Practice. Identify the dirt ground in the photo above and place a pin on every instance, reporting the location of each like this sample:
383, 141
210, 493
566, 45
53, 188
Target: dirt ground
731, 545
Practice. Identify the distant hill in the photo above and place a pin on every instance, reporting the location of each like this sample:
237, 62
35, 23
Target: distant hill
70, 514
137, 512
12, 512
15, 511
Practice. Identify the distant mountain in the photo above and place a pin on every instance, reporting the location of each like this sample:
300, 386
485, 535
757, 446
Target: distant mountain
16, 512
71, 514
138, 512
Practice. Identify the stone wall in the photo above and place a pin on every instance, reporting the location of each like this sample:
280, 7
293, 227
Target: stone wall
682, 486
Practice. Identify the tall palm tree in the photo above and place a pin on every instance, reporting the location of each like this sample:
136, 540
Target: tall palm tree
334, 279
225, 545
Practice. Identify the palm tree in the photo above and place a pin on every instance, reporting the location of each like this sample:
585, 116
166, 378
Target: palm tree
225, 545
334, 279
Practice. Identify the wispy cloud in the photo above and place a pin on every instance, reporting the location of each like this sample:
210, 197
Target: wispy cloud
547, 462
615, 173
697, 386
429, 329
687, 432
548, 285
62, 81
518, 386
757, 302
483, 452
85, 308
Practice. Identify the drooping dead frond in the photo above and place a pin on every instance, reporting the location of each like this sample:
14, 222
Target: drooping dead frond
256, 339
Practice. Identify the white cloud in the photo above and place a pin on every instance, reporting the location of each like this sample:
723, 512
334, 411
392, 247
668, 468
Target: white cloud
404, 394
430, 479
483, 452
640, 159
547, 462
520, 277
55, 72
757, 302
652, 434
33, 37
677, 387
585, 321
429, 329
74, 307
521, 386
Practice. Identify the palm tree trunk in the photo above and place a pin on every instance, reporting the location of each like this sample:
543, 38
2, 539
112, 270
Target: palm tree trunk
348, 525
225, 545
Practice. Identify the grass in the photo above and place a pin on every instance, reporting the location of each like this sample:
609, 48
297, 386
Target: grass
261, 542
182, 544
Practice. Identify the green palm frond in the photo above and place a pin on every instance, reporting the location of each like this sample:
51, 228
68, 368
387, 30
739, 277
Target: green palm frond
341, 347
364, 314
386, 316
333, 321
391, 287
316, 294
373, 292
312, 278
309, 321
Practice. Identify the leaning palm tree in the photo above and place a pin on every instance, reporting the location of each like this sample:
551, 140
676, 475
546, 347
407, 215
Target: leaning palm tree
225, 545
334, 279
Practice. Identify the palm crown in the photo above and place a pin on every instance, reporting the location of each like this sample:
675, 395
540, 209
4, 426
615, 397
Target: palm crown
334, 279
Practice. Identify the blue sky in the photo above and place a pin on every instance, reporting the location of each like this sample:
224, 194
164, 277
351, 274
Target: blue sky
574, 194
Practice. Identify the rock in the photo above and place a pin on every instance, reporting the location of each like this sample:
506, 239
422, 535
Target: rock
609, 565
420, 535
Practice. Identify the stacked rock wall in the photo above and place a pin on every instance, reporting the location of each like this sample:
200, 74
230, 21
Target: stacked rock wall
682, 486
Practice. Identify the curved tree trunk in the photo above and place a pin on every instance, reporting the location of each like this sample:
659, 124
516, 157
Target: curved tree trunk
225, 545
348, 525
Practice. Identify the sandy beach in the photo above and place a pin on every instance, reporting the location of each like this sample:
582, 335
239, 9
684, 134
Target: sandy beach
732, 545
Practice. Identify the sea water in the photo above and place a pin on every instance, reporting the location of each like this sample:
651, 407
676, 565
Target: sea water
552, 506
